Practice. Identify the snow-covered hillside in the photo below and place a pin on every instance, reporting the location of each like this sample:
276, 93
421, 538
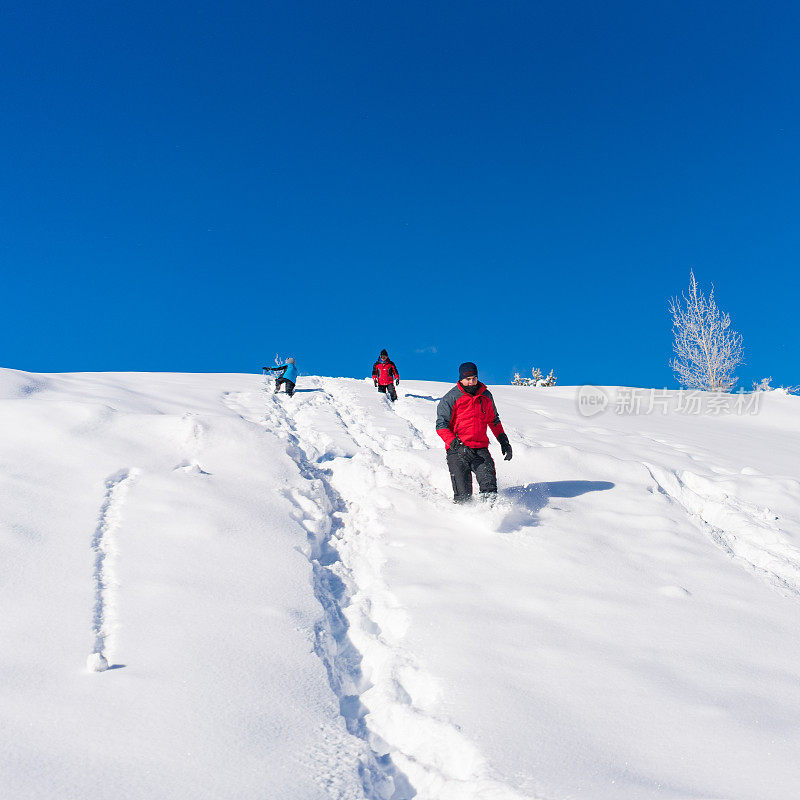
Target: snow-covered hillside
291, 607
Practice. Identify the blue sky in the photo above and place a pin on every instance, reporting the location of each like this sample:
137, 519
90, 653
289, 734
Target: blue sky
194, 187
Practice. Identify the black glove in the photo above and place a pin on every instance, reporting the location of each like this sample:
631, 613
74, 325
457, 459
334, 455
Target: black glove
505, 447
456, 446
397, 382
375, 382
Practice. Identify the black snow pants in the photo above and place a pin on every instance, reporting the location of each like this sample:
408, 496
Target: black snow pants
289, 386
463, 463
389, 387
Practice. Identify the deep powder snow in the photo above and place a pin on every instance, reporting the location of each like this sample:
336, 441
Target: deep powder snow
210, 591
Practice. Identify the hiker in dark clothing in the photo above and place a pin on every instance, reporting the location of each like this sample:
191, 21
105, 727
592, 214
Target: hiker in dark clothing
385, 374
462, 418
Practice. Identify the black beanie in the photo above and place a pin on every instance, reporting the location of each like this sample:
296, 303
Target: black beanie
467, 370
383, 353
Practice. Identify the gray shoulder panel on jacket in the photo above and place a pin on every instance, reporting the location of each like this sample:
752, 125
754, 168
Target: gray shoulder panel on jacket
444, 411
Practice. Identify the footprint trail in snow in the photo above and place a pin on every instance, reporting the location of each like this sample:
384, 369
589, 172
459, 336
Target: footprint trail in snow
104, 546
345, 456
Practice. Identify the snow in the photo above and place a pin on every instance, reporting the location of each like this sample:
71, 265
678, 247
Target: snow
212, 591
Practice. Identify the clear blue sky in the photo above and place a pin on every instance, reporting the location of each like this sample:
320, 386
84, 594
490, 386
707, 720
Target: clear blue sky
196, 186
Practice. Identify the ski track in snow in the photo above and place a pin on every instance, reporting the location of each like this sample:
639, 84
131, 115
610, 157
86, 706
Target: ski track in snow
749, 534
104, 546
413, 753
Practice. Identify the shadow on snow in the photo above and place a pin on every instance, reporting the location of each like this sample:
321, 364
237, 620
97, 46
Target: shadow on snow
423, 397
529, 499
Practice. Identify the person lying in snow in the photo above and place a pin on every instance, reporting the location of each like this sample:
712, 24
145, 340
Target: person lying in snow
288, 376
462, 417
383, 371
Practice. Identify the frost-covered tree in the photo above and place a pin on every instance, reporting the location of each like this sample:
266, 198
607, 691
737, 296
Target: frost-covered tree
550, 380
707, 351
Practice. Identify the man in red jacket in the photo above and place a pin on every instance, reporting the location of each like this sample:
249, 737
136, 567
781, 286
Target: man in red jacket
462, 417
384, 375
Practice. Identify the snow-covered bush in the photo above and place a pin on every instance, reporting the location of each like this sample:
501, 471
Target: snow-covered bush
765, 385
536, 379
707, 352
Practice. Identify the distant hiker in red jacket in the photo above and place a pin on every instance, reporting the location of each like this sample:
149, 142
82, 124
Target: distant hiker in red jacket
385, 375
462, 417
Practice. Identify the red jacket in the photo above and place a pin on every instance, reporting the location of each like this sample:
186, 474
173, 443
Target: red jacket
382, 371
467, 416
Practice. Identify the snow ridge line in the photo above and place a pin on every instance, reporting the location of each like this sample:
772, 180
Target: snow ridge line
321, 511
746, 533
104, 546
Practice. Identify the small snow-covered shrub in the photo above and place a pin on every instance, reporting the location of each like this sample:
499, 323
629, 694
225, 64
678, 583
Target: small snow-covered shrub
536, 379
765, 385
